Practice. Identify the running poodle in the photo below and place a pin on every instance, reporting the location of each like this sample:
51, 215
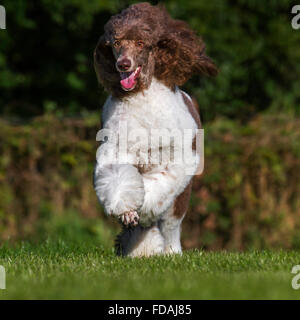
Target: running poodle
142, 58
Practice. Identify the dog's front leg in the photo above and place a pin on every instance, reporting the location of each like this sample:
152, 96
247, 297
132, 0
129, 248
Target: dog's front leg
161, 187
120, 189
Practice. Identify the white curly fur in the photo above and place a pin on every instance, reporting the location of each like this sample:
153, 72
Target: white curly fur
119, 188
152, 192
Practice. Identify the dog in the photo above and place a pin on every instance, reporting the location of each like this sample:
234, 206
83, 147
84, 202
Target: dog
141, 60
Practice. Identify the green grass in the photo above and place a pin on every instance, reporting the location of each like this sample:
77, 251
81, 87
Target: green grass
75, 260
62, 270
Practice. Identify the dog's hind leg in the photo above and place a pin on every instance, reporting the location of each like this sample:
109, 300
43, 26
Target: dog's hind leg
170, 223
170, 227
139, 241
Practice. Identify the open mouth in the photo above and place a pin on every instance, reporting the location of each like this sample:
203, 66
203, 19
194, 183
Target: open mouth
129, 79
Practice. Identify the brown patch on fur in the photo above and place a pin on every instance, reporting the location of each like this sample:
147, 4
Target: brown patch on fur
194, 111
181, 203
143, 168
171, 51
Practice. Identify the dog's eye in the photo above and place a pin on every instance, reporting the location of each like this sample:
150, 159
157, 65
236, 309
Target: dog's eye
117, 43
140, 43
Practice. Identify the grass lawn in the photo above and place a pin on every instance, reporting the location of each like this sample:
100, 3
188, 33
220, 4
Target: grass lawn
67, 270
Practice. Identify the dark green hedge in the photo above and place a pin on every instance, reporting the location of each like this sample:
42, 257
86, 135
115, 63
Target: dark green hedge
46, 55
248, 195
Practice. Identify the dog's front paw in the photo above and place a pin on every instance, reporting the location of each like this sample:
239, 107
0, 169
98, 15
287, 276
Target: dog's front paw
129, 218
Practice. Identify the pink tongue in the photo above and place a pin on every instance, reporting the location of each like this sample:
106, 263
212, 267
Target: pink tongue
128, 82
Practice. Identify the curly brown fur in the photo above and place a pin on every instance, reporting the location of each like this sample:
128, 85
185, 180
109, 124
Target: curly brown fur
149, 38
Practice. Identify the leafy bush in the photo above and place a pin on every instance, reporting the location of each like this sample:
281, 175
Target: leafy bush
46, 55
248, 195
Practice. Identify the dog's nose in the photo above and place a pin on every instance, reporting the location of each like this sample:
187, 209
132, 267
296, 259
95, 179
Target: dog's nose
124, 64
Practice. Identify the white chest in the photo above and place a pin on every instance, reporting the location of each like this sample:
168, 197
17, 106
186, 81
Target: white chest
156, 108
144, 124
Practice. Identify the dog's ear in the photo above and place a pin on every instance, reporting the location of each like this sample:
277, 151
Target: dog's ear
166, 61
204, 64
181, 54
104, 63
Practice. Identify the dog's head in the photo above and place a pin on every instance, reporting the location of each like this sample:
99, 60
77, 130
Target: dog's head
144, 41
